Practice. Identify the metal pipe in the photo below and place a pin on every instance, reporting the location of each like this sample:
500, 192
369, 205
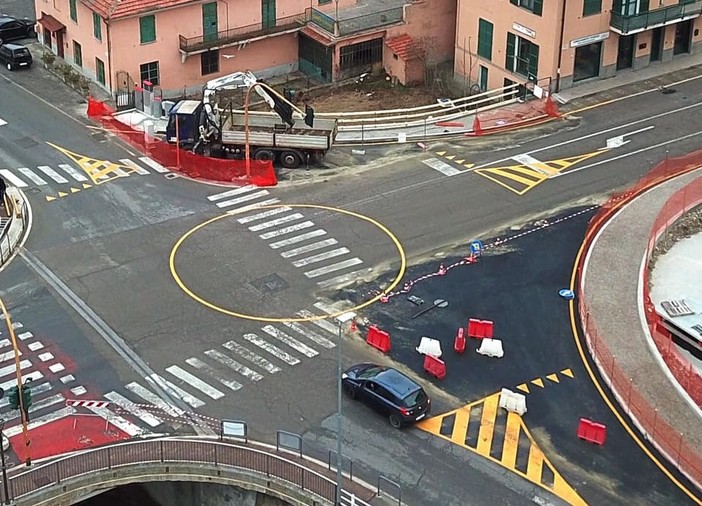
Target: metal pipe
560, 48
339, 423
4, 468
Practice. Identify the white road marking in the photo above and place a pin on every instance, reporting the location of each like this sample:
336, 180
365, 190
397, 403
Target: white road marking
122, 424
45, 356
310, 334
18, 325
309, 247
251, 207
3, 122
287, 230
195, 382
276, 222
236, 366
128, 405
36, 345
67, 378
79, 390
12, 179
325, 308
58, 367
264, 214
272, 349
297, 238
175, 390
443, 167
535, 164
231, 193
9, 355
323, 324
342, 279
290, 341
252, 357
36, 391
153, 164
9, 369
199, 364
26, 172
4, 342
119, 172
46, 402
134, 166
72, 172
52, 174
315, 273
245, 198
320, 257
42, 420
154, 399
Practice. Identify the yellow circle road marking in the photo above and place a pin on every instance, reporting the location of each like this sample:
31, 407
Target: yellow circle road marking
211, 305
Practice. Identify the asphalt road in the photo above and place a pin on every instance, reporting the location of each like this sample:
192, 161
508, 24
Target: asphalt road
107, 247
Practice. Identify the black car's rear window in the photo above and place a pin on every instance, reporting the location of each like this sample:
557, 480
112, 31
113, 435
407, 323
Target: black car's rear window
369, 372
21, 52
414, 398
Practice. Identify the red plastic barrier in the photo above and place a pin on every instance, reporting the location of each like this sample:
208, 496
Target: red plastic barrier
477, 128
259, 173
435, 366
592, 431
378, 339
459, 344
455, 124
480, 329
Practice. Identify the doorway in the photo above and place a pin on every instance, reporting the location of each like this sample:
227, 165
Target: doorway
625, 53
657, 44
682, 37
209, 22
59, 43
587, 61
268, 14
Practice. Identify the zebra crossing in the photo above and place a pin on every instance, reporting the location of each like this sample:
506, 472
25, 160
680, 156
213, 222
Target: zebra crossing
287, 230
66, 174
205, 377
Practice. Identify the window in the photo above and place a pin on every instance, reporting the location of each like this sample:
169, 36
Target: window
77, 54
535, 6
482, 77
522, 56
147, 29
592, 7
485, 39
149, 72
72, 9
630, 7
100, 70
209, 62
324, 2
361, 54
97, 26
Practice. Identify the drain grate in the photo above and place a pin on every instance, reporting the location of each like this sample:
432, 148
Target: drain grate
269, 284
676, 307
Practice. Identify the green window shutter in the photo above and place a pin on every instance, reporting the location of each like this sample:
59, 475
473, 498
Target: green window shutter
485, 39
73, 11
643, 6
97, 26
592, 7
514, 2
538, 7
509, 54
147, 29
533, 62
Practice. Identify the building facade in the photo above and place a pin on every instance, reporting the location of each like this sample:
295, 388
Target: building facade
560, 43
178, 45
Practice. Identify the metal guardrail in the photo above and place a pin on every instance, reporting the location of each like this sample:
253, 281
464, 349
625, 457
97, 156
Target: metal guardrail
165, 451
349, 26
665, 15
16, 209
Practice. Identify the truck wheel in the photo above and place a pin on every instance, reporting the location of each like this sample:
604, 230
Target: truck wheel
264, 155
290, 160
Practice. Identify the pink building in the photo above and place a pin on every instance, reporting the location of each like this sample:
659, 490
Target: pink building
179, 45
564, 42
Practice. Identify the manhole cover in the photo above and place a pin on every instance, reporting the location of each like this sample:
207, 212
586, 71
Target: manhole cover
269, 284
26, 142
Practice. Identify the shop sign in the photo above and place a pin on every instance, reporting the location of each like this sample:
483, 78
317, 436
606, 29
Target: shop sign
524, 30
590, 39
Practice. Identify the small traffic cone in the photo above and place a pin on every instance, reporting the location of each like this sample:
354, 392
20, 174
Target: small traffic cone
477, 129
353, 328
552, 108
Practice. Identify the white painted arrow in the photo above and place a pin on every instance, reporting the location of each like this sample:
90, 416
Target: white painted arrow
2, 122
618, 141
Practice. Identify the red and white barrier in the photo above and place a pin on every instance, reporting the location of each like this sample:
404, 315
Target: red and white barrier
87, 404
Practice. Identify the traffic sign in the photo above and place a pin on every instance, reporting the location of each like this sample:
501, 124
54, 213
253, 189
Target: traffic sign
476, 247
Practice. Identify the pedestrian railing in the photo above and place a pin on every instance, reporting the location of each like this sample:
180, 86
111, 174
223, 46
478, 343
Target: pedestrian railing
17, 212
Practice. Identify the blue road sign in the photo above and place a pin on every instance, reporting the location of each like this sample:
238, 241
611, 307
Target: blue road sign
476, 247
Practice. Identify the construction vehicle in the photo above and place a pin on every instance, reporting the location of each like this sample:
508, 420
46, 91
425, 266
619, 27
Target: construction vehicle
288, 135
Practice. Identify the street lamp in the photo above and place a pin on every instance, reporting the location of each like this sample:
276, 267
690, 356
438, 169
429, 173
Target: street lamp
2, 461
340, 320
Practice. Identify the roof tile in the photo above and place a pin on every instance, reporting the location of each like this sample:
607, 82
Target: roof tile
112, 9
405, 48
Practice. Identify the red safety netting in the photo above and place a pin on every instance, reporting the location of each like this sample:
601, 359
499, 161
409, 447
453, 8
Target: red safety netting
681, 452
259, 173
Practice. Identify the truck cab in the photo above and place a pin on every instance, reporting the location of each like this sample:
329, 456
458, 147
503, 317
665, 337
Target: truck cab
184, 117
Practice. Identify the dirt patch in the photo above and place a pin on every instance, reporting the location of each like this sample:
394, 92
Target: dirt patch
687, 226
353, 98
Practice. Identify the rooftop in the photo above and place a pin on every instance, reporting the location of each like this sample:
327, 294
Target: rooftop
111, 9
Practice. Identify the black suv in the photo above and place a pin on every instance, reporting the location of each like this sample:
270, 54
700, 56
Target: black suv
14, 56
388, 391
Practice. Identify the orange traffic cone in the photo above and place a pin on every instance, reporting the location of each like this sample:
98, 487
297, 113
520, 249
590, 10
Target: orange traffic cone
477, 129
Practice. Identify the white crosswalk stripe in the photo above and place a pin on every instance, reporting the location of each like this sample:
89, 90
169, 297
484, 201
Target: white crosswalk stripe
272, 349
175, 390
9, 369
72, 172
9, 355
298, 238
264, 214
134, 166
26, 172
252, 357
343, 279
252, 207
309, 248
153, 164
287, 230
34, 376
52, 174
276, 222
320, 257
12, 179
236, 366
230, 193
315, 273
36, 390
244, 198
38, 422
310, 334
122, 424
195, 382
199, 364
152, 398
321, 323
290, 341
135, 410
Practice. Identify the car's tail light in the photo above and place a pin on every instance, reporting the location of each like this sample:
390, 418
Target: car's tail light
404, 411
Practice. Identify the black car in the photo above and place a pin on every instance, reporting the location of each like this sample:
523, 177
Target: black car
388, 391
14, 56
14, 29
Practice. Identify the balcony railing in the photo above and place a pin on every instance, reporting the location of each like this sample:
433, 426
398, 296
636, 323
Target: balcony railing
626, 24
356, 24
239, 34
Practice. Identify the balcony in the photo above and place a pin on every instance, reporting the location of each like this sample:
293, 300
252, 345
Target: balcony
202, 43
356, 19
628, 24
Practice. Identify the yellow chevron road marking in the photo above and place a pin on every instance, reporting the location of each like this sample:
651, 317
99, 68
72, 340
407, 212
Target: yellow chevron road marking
99, 171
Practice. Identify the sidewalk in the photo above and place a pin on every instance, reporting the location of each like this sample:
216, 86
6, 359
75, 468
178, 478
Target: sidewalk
610, 287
